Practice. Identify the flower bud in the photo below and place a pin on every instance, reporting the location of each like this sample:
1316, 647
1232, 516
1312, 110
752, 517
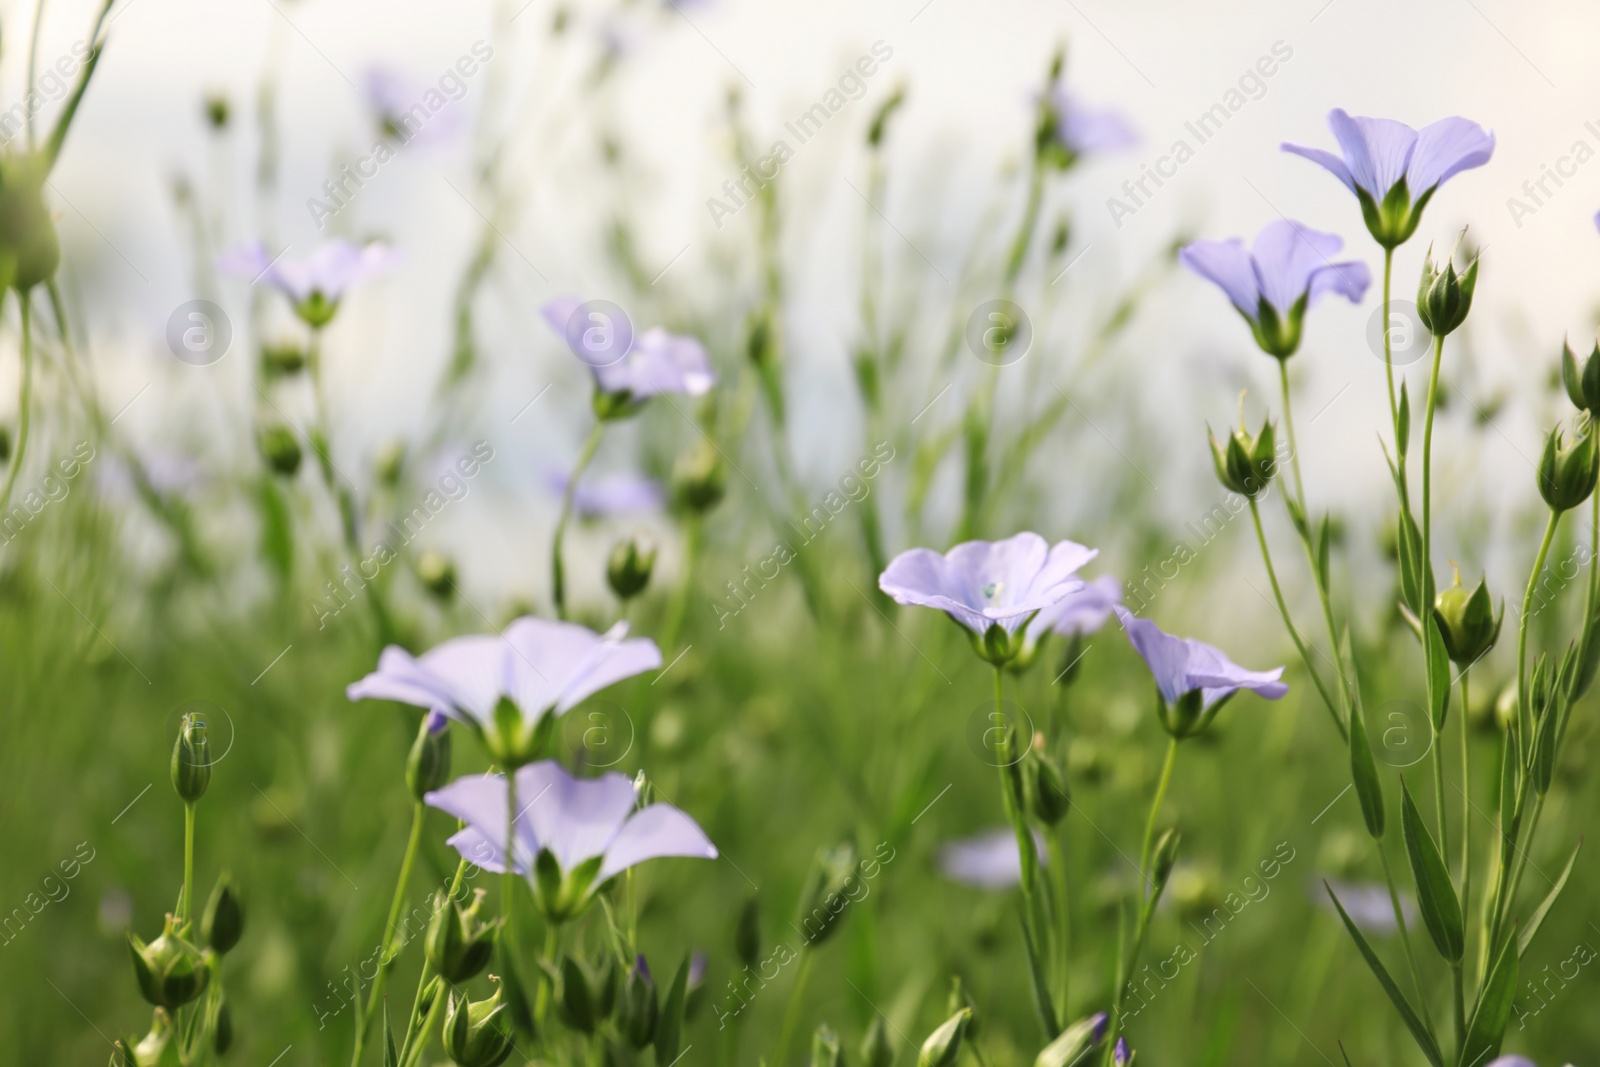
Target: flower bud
223, 921
699, 478
1581, 379
1443, 297
282, 359
170, 971
437, 573
1163, 857
1048, 795
577, 996
280, 448
943, 1046
825, 1050
1246, 464
30, 251
1567, 471
876, 1050
477, 1033
316, 311
221, 1026
825, 896
428, 765
457, 943
638, 1006
191, 759
1121, 1056
216, 105
120, 1056
747, 934
1467, 621
390, 462
1069, 1047
959, 998
628, 569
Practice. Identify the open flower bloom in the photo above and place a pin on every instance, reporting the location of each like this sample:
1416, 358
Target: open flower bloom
635, 368
510, 687
409, 110
571, 835
993, 588
1083, 129
1273, 282
991, 860
1394, 169
1082, 612
316, 284
1194, 678
608, 495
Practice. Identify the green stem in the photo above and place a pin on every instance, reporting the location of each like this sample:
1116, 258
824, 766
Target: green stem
409, 1048
1058, 881
791, 1012
1388, 357
1524, 703
425, 1034
1427, 476
1466, 800
541, 1000
1294, 634
1438, 792
188, 860
375, 998
678, 607
557, 571
1145, 887
1027, 854
24, 404
1405, 935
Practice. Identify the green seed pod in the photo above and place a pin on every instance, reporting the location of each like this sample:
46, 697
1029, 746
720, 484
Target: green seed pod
216, 107
1582, 380
958, 999
280, 447
943, 1046
628, 569
121, 1056
437, 573
221, 1026
825, 1050
1049, 797
1246, 464
191, 759
223, 921
1073, 1042
1444, 297
1467, 621
699, 478
170, 971
477, 1034
1567, 472
29, 248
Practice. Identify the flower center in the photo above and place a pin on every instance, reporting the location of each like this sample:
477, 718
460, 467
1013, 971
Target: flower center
992, 590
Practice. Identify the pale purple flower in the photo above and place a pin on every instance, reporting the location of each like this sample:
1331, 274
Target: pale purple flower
1083, 129
1513, 1061
1120, 1056
410, 110
610, 494
1182, 665
541, 666
1274, 282
574, 819
990, 860
984, 584
1381, 153
1082, 612
1367, 903
654, 362
315, 284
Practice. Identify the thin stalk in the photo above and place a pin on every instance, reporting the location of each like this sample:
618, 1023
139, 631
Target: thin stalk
1405, 935
413, 1033
1438, 792
1466, 800
425, 1034
1294, 634
791, 1011
1427, 476
188, 859
1145, 888
1026, 853
24, 404
557, 571
1524, 704
1388, 357
1058, 881
678, 607
375, 998
541, 1000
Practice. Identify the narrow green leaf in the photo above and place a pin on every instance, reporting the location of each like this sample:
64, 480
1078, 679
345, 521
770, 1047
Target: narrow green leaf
1408, 1015
1411, 563
1549, 902
1041, 987
1489, 1018
1436, 897
1297, 517
1364, 773
1438, 662
1323, 564
669, 1027
1402, 430
390, 1057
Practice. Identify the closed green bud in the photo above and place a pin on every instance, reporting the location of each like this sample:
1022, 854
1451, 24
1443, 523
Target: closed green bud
1164, 856
1069, 1047
880, 119
943, 1046
1567, 471
30, 251
170, 971
1246, 464
458, 943
191, 759
699, 477
628, 569
477, 1033
1444, 297
221, 1026
825, 1050
223, 921
437, 573
1467, 621
747, 934
1048, 795
638, 1006
280, 448
577, 991
959, 998
876, 1048
428, 764
826, 893
1581, 379
282, 359
390, 462
216, 106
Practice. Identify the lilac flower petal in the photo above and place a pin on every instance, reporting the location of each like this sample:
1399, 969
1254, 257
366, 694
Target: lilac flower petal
610, 494
558, 310
473, 671
990, 860
401, 678
480, 802
979, 583
1226, 264
654, 832
477, 848
1084, 611
1512, 1061
331, 269
575, 818
1182, 665
1377, 151
1085, 128
1348, 279
1165, 655
1368, 904
559, 664
1285, 257
659, 362
247, 261
1446, 148
438, 722
1324, 158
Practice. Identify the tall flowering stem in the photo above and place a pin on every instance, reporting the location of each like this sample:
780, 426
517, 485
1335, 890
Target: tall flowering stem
1288, 621
387, 945
557, 569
